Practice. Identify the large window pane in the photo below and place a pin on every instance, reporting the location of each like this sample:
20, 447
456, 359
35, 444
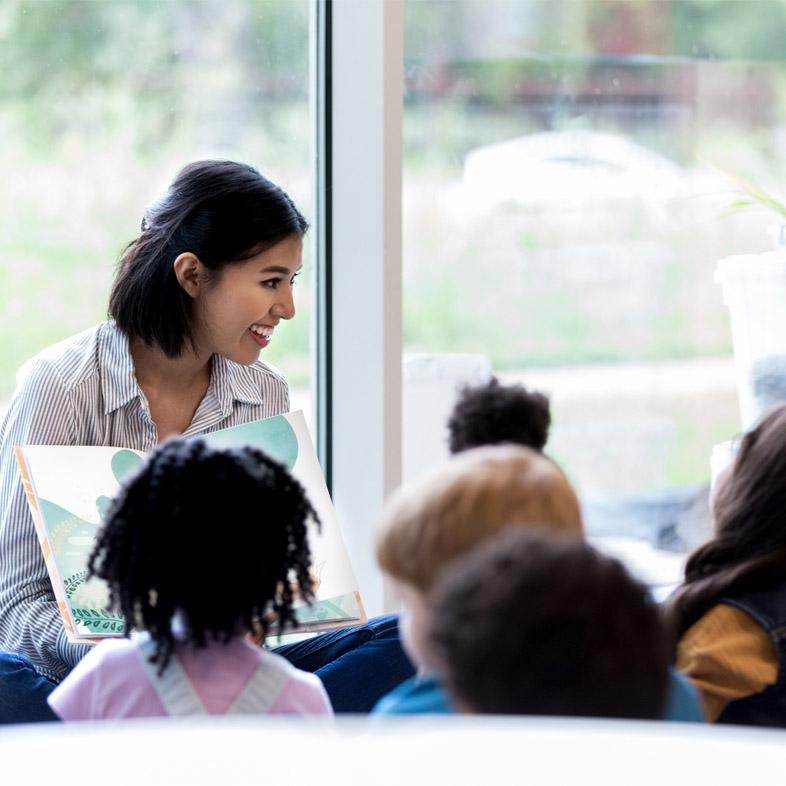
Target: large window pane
565, 205
100, 104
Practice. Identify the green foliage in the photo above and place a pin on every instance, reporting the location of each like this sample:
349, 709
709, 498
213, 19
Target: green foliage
99, 621
72, 582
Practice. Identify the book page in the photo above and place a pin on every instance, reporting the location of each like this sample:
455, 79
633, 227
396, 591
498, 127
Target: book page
72, 488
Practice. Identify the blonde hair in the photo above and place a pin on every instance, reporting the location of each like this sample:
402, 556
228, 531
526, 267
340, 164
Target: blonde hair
475, 495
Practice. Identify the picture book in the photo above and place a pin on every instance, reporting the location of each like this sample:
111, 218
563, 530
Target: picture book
69, 489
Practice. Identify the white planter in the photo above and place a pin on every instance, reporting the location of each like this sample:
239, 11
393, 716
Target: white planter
754, 289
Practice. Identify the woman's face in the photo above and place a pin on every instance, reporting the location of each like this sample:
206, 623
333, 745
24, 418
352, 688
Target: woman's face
237, 314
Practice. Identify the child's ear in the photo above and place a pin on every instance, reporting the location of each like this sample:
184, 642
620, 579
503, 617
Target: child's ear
190, 272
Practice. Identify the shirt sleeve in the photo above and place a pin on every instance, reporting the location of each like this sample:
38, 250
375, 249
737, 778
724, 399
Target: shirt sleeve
728, 656
30, 623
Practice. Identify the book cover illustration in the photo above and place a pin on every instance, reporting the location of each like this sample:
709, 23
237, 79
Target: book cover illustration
70, 488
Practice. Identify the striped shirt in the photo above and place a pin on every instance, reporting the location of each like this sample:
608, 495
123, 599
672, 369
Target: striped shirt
83, 391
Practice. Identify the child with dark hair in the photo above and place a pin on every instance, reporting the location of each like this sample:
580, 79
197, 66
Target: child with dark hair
730, 611
491, 414
591, 644
445, 516
199, 549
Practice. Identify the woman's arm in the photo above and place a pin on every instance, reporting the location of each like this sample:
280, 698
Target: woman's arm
30, 623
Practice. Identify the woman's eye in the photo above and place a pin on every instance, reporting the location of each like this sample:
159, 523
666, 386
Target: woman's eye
272, 283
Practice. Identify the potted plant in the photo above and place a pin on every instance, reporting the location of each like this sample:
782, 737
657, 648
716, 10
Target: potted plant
754, 289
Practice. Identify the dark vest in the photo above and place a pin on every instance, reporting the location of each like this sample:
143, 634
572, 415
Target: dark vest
768, 608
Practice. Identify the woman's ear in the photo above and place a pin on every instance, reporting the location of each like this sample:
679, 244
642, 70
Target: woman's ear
190, 272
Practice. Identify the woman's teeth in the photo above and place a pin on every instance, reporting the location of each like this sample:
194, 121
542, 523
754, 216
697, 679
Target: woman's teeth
261, 330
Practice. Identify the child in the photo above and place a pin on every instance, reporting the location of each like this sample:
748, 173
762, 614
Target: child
444, 516
731, 609
592, 644
199, 549
492, 414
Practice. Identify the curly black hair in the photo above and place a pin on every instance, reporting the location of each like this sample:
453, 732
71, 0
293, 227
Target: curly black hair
492, 413
539, 625
218, 537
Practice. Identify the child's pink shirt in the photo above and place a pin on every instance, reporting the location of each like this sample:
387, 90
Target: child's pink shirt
111, 681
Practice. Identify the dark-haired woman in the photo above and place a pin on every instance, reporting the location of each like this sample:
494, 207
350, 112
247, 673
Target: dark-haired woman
730, 612
196, 298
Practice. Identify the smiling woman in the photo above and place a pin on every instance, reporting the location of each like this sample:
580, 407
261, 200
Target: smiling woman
196, 298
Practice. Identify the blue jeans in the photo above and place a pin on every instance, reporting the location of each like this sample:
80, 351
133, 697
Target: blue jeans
356, 665
23, 691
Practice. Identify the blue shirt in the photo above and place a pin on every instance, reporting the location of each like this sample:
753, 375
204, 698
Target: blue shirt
424, 695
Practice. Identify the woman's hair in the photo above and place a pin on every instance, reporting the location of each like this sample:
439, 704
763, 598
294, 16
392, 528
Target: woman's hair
220, 211
475, 495
491, 414
216, 537
534, 624
748, 550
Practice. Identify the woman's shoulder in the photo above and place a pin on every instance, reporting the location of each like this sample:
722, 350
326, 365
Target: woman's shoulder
67, 361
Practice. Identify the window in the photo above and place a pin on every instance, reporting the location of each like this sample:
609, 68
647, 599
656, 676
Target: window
100, 105
565, 204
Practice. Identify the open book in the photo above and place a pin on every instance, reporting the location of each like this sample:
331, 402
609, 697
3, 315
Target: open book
69, 488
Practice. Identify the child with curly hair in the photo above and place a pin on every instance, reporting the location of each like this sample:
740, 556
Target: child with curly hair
200, 548
494, 414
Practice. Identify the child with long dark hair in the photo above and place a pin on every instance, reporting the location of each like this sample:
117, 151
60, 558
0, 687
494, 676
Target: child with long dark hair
200, 548
730, 612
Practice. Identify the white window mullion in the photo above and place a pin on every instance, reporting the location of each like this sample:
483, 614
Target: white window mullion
365, 331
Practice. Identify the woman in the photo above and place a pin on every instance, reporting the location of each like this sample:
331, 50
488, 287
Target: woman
730, 612
196, 298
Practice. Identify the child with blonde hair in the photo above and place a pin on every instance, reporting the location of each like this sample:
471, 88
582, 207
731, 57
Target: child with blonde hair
445, 515
429, 524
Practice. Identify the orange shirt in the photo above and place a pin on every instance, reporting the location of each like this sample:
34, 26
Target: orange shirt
727, 655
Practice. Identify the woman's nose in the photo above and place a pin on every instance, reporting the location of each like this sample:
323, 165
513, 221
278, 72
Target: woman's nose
285, 305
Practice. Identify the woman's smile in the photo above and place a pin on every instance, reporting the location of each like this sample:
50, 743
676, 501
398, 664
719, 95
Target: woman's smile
262, 334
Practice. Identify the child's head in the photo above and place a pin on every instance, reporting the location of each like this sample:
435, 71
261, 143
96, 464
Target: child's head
491, 414
545, 625
750, 501
748, 549
216, 537
448, 513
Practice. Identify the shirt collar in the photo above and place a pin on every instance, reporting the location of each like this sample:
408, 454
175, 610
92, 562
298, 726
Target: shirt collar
229, 382
235, 382
118, 382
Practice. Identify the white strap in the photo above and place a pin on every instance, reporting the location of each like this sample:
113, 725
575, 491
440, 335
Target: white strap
173, 687
264, 686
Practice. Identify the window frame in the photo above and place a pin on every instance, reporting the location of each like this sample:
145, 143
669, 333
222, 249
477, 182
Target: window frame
358, 126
